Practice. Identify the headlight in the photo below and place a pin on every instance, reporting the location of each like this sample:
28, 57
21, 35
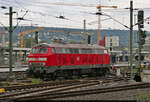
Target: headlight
31, 59
42, 59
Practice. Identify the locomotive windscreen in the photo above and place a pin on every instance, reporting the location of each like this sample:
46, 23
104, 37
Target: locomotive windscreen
34, 50
43, 50
39, 50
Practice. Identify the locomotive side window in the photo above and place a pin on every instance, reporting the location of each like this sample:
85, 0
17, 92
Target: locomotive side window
80, 51
60, 50
85, 51
96, 51
93, 51
89, 50
99, 51
102, 51
73, 50
34, 50
67, 51
43, 50
76, 50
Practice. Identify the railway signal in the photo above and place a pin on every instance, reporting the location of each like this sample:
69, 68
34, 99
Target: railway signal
141, 18
36, 37
142, 37
89, 39
137, 58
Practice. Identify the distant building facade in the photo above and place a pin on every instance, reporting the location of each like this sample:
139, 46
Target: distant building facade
147, 44
111, 42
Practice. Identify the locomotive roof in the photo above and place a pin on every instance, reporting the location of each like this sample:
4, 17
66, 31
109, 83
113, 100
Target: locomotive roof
72, 45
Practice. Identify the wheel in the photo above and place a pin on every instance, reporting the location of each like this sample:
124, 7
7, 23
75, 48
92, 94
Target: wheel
79, 74
29, 73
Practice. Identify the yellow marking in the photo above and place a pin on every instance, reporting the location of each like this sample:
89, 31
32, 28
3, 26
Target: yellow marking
2, 90
142, 66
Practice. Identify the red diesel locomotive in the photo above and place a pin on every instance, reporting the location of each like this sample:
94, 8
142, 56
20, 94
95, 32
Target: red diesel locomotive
52, 60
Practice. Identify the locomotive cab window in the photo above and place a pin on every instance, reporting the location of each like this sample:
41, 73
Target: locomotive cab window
34, 50
43, 50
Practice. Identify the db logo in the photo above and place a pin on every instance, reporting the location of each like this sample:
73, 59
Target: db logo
78, 58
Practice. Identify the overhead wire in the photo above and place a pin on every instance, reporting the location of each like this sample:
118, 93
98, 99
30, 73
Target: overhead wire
20, 20
31, 4
25, 8
41, 3
20, 5
40, 13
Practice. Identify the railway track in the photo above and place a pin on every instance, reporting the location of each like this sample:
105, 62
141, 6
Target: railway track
55, 95
41, 91
46, 88
24, 87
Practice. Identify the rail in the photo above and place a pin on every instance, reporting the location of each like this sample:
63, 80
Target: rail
50, 96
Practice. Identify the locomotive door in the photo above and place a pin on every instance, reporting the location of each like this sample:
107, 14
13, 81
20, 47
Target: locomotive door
60, 56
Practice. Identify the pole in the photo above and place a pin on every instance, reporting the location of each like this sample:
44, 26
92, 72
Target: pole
3, 38
10, 44
99, 30
85, 37
140, 25
21, 42
131, 34
139, 49
99, 25
36, 37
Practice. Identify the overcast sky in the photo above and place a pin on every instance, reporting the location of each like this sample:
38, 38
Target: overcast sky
43, 13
